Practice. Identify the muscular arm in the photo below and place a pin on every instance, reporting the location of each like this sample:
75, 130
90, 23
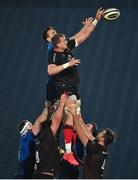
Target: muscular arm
85, 129
82, 131
55, 69
58, 114
84, 33
88, 28
37, 125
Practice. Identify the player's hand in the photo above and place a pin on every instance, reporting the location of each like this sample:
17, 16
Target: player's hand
88, 21
99, 13
63, 99
74, 62
71, 107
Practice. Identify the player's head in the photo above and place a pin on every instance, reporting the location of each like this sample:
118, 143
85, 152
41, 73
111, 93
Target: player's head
93, 128
59, 40
24, 126
107, 136
48, 33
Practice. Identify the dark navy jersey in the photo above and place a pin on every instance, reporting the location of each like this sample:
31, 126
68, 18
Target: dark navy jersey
95, 158
58, 84
47, 154
26, 155
59, 58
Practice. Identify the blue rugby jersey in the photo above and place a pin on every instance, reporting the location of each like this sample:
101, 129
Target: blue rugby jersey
49, 47
26, 155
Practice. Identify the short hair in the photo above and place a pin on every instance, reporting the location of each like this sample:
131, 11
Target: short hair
45, 33
109, 136
56, 39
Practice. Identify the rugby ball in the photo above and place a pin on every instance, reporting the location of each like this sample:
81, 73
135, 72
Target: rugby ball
111, 14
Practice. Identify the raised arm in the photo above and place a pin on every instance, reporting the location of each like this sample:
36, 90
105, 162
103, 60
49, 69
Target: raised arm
87, 132
83, 133
58, 114
88, 28
55, 69
37, 125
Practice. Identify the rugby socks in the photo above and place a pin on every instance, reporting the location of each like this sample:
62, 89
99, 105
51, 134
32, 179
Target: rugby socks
68, 135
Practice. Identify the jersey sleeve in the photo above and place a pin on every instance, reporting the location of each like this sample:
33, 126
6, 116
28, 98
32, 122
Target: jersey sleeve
72, 43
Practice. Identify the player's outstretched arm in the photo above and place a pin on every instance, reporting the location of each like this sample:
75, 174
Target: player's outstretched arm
89, 26
41, 118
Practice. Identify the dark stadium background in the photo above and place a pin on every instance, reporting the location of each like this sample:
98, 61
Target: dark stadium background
109, 73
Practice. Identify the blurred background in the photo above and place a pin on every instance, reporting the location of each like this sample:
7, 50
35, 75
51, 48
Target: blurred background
109, 73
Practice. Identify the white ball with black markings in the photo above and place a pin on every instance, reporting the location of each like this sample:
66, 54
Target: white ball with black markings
111, 14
